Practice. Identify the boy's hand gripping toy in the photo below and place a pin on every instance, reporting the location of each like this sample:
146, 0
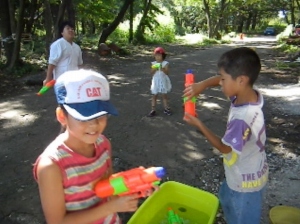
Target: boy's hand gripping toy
173, 218
189, 105
46, 87
137, 180
156, 66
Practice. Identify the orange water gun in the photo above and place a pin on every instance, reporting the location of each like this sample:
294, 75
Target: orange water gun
46, 87
189, 104
138, 180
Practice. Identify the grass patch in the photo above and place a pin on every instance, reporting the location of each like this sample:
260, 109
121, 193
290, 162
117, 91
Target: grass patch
286, 65
287, 48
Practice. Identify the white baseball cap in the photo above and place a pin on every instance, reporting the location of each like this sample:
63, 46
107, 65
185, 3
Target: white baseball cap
84, 94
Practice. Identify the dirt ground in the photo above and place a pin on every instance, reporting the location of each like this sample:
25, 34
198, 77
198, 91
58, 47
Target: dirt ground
28, 125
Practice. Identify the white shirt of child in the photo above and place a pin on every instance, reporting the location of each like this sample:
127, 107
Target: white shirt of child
246, 167
65, 56
161, 82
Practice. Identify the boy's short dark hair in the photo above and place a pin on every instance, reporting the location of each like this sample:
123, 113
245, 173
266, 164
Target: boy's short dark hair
63, 25
241, 61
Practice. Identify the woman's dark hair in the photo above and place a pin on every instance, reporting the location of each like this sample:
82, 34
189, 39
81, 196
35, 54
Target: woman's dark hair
241, 61
163, 55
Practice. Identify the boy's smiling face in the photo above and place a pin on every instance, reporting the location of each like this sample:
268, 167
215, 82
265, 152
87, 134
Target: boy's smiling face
81, 133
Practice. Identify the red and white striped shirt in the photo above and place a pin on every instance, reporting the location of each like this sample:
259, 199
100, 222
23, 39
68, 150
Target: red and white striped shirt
80, 174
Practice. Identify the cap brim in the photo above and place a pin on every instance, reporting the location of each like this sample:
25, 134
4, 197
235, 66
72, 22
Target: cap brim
90, 110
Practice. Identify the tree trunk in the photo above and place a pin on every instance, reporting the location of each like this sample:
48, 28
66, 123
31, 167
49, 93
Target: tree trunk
16, 52
254, 20
220, 24
298, 4
286, 17
292, 11
5, 30
240, 24
48, 26
108, 30
93, 27
60, 17
248, 20
221, 19
29, 24
131, 23
71, 11
139, 34
83, 31
206, 9
12, 20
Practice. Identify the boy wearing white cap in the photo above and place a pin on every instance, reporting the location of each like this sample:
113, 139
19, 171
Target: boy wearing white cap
70, 166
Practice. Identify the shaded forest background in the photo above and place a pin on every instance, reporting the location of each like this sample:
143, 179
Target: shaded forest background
28, 27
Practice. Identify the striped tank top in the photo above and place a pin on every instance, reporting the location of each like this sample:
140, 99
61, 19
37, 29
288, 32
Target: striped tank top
80, 174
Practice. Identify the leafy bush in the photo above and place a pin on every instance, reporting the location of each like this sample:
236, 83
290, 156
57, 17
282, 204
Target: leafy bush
119, 36
161, 34
287, 48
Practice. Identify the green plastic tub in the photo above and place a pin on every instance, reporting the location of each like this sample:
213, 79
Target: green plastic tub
192, 205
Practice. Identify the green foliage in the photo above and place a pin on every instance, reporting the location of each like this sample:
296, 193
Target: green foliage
89, 41
161, 34
287, 48
101, 11
119, 36
188, 18
277, 23
288, 66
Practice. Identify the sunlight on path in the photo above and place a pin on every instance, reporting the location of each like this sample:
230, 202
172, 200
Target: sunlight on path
292, 92
14, 115
289, 97
191, 38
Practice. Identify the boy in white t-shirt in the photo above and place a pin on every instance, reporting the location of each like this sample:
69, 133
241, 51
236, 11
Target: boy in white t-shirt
245, 162
65, 55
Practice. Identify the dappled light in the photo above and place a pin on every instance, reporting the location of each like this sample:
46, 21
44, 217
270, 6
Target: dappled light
137, 139
15, 115
210, 105
292, 92
117, 39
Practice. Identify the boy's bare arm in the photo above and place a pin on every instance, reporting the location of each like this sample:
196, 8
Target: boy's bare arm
213, 139
212, 81
53, 201
197, 88
49, 75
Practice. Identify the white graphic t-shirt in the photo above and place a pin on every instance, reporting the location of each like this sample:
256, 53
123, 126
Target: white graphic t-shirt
246, 167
